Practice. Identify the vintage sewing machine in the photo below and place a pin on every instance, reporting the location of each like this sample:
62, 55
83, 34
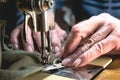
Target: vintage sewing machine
41, 14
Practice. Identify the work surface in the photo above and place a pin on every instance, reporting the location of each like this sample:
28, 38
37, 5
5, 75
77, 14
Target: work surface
111, 72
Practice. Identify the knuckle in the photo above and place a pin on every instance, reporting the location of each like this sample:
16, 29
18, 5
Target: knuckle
99, 48
104, 15
94, 17
76, 29
95, 37
63, 34
115, 39
115, 35
111, 24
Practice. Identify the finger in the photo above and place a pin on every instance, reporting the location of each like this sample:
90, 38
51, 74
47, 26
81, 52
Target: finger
56, 43
62, 36
81, 31
61, 33
100, 34
14, 36
95, 51
28, 44
37, 38
68, 61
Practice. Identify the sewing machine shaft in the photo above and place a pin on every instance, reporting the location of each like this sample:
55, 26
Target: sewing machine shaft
40, 15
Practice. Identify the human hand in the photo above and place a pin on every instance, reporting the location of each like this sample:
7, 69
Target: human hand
92, 38
58, 36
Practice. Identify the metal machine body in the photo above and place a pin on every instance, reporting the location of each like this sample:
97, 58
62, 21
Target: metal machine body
40, 15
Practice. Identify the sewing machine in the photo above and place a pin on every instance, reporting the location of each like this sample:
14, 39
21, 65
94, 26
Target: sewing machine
41, 14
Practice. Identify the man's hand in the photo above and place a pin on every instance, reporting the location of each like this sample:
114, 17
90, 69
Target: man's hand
58, 36
92, 38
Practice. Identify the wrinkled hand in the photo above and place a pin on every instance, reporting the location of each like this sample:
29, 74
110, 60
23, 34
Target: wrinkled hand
92, 38
58, 36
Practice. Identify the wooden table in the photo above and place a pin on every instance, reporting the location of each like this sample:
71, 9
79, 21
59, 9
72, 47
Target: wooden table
112, 72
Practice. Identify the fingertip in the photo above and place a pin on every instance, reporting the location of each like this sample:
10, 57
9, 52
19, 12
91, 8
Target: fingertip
15, 43
66, 61
56, 49
29, 48
58, 55
58, 52
15, 46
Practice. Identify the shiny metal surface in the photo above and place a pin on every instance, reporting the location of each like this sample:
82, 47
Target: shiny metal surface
87, 72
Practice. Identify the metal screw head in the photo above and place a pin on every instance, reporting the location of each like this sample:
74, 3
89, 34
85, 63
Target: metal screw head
49, 3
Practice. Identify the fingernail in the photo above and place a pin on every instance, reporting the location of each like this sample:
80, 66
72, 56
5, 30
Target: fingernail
15, 46
29, 48
66, 61
57, 49
77, 62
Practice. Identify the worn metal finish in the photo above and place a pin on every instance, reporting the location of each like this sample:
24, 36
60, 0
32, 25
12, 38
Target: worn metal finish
39, 16
87, 72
